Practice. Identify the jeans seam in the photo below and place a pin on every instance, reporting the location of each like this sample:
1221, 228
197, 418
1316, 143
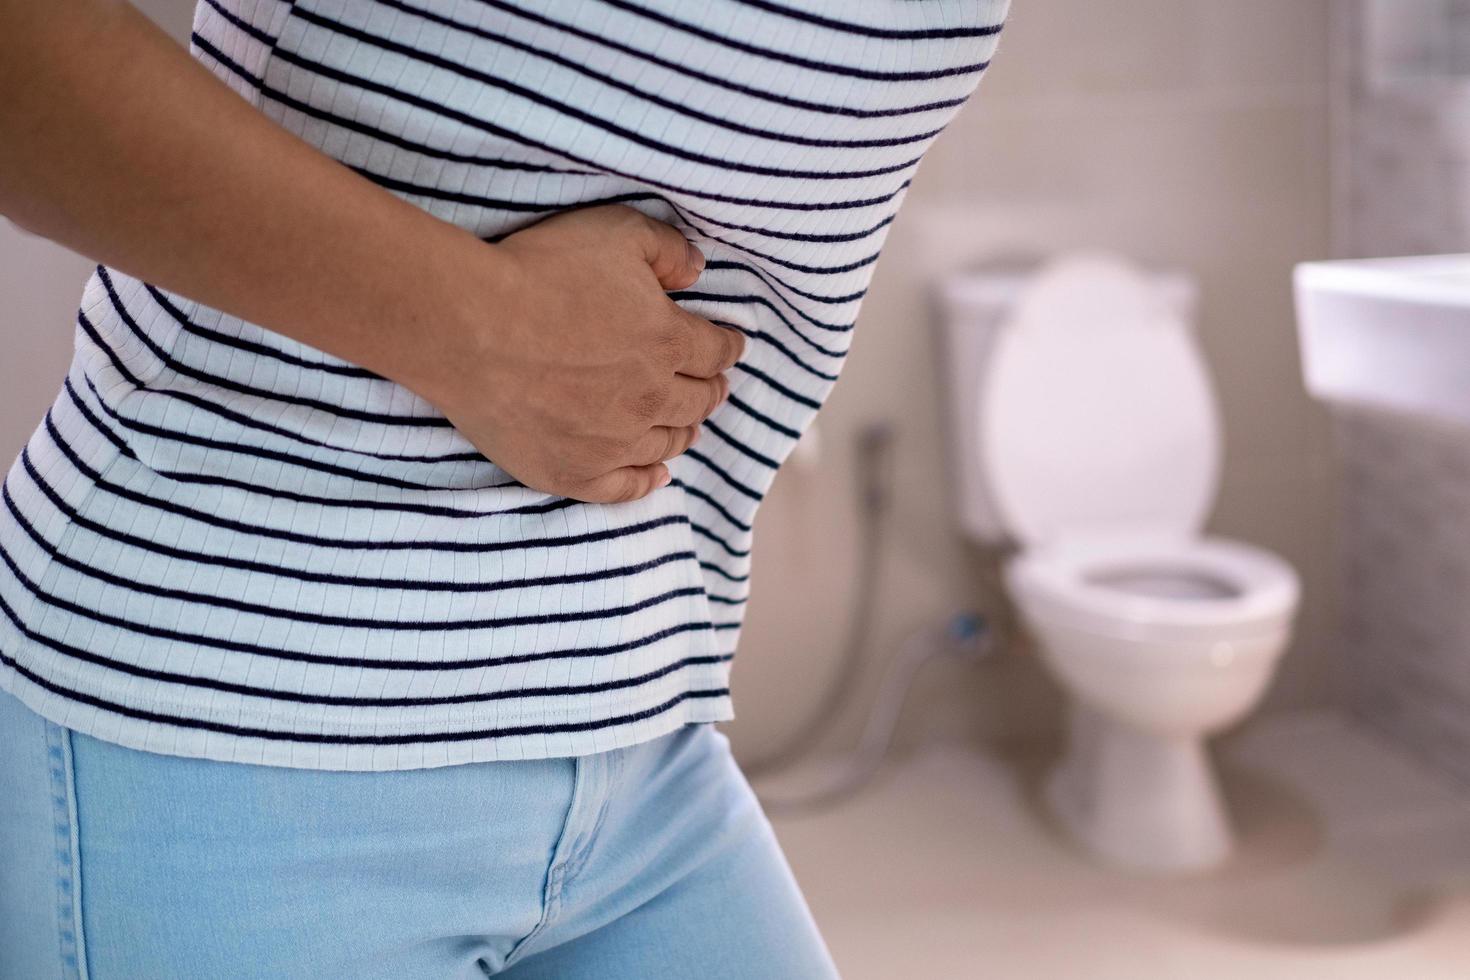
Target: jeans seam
551, 892
610, 767
612, 773
72, 948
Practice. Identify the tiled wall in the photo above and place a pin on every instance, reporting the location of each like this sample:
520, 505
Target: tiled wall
1190, 133
1401, 94
1406, 574
1402, 91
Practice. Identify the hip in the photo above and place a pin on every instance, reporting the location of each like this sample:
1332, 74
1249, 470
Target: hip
125, 863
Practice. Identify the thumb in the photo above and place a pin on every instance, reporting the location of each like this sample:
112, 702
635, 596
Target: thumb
675, 262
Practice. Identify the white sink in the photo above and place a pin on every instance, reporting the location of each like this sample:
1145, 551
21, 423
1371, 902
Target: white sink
1388, 332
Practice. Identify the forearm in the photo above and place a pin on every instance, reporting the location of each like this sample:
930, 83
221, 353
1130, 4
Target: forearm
116, 143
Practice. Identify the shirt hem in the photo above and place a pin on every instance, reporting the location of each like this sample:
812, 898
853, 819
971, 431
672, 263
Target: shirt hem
409, 750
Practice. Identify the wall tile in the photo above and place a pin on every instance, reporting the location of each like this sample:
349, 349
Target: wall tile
1405, 627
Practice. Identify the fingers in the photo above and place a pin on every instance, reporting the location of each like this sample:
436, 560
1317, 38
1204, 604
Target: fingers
691, 400
647, 473
663, 443
673, 258
624, 484
706, 350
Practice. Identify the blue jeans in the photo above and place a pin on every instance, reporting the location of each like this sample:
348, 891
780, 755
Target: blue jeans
651, 861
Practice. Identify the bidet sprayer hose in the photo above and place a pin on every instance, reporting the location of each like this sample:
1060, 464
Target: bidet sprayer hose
966, 634
875, 445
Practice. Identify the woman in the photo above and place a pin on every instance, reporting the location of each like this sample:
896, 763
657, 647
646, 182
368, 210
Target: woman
369, 590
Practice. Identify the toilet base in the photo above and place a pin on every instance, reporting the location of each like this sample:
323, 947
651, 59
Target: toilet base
1139, 801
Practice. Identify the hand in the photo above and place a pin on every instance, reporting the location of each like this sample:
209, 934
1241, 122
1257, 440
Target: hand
555, 352
584, 376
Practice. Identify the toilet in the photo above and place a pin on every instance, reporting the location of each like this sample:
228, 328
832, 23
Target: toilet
1086, 439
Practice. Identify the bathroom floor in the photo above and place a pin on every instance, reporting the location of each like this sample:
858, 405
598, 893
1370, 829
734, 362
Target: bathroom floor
1353, 862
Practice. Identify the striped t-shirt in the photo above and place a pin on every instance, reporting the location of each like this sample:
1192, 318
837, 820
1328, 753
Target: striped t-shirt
225, 544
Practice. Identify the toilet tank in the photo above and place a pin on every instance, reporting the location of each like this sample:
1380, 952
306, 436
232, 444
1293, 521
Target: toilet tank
974, 307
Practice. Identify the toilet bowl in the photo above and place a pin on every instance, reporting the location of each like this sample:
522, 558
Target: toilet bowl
1086, 438
1160, 644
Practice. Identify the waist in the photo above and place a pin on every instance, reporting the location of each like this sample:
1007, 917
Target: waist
240, 554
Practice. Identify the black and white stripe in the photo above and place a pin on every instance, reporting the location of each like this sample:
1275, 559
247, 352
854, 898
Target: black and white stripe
225, 544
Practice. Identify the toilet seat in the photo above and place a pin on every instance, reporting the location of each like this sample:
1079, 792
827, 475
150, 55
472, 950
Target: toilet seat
1170, 589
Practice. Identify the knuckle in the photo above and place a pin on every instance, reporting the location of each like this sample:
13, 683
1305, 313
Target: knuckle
735, 348
601, 486
608, 451
594, 492
638, 223
671, 344
598, 454
624, 225
576, 491
649, 402
717, 393
567, 484
574, 474
629, 490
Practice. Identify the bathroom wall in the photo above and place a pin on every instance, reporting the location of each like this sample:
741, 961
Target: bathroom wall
1401, 96
1182, 132
1401, 147
1405, 536
40, 284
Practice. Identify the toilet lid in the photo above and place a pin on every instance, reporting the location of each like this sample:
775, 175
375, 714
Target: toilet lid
1097, 414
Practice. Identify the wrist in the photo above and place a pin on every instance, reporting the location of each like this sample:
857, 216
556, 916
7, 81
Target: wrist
455, 313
